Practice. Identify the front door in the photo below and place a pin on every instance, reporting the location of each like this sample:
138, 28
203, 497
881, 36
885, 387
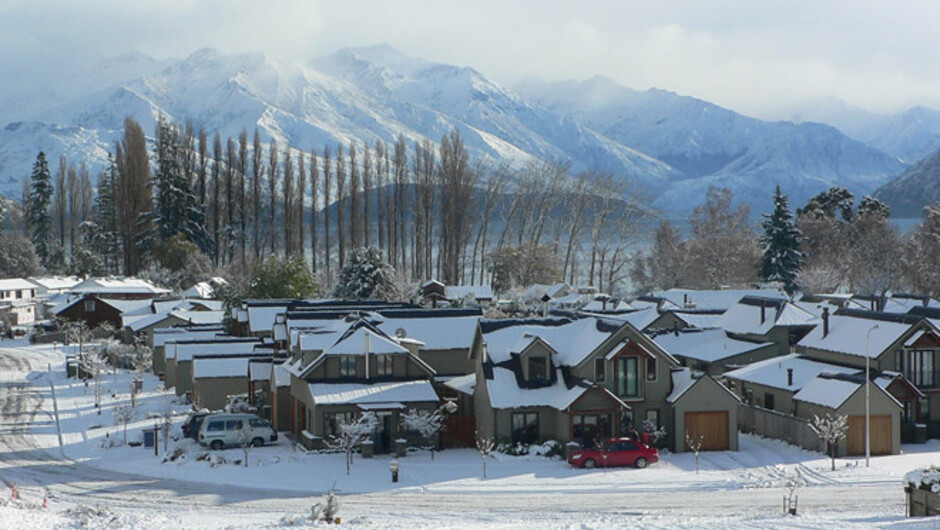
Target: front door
382, 436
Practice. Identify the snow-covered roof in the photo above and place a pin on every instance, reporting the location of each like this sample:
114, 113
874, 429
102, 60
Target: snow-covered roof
699, 320
707, 345
364, 394
437, 333
459, 292
463, 383
185, 352
355, 344
128, 307
745, 316
55, 283
682, 380
260, 370
261, 318
139, 322
281, 375
205, 289
15, 284
201, 317
853, 336
640, 319
117, 285
721, 299
573, 341
535, 292
504, 392
164, 335
773, 372
220, 367
831, 393
609, 305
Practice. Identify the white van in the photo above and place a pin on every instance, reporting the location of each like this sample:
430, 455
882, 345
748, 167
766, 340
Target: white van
225, 430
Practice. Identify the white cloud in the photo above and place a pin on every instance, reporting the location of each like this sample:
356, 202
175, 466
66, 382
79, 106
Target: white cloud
749, 56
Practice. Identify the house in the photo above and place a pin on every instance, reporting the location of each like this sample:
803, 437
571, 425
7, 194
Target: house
162, 336
215, 378
118, 288
712, 351
279, 383
49, 290
436, 292
587, 378
180, 354
94, 309
805, 388
902, 343
206, 290
17, 301
716, 299
763, 319
351, 367
672, 319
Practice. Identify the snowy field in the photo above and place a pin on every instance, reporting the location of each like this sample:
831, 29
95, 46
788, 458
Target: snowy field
91, 484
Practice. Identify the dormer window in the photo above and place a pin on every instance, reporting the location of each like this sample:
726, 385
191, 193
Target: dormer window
538, 368
383, 365
347, 366
628, 377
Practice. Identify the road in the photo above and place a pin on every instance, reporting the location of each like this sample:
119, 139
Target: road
36, 469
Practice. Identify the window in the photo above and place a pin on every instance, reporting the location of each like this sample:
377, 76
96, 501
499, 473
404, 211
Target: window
588, 428
215, 426
89, 306
347, 366
652, 416
233, 425
899, 361
628, 377
525, 427
383, 364
651, 369
538, 368
600, 369
769, 401
332, 421
19, 294
920, 368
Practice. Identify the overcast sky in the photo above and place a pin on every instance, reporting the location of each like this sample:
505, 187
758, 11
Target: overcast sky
749, 55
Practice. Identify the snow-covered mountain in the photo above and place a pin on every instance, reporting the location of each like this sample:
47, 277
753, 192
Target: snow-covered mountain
715, 146
909, 135
915, 188
674, 146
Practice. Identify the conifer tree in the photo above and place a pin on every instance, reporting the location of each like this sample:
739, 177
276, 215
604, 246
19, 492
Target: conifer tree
37, 211
780, 242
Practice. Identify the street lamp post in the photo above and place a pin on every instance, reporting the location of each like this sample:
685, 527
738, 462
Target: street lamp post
868, 395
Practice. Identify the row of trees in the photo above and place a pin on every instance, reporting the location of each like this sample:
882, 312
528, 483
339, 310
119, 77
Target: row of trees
830, 244
426, 208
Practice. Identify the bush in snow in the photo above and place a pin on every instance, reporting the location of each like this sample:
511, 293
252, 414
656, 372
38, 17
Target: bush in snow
238, 404
94, 516
367, 275
927, 479
326, 510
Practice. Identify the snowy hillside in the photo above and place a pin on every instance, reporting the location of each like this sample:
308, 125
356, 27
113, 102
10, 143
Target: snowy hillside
915, 188
715, 146
910, 135
675, 146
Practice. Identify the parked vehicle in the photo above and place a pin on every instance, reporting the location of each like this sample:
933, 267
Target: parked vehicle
226, 430
615, 452
193, 423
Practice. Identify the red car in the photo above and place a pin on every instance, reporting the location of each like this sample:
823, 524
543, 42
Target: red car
616, 452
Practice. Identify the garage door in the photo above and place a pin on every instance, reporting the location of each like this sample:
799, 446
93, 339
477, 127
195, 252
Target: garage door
880, 435
713, 426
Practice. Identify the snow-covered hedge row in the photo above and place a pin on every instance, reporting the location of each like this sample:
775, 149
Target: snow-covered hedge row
927, 478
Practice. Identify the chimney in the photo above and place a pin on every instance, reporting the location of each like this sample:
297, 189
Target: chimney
763, 311
825, 319
789, 376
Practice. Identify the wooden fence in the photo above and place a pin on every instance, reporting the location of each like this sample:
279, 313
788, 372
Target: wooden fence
773, 424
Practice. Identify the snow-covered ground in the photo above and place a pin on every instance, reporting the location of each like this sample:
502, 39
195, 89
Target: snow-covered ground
139, 490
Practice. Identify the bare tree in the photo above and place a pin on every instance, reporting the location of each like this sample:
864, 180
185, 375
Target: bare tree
400, 169
300, 206
272, 196
166, 424
352, 435
123, 414
257, 175
288, 209
134, 195
427, 423
355, 208
314, 201
457, 181
831, 429
240, 196
327, 196
61, 201
723, 249
496, 184
341, 204
694, 443
366, 194
485, 446
216, 205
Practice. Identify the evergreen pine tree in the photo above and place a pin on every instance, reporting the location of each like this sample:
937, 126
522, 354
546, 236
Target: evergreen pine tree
780, 242
38, 218
175, 206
